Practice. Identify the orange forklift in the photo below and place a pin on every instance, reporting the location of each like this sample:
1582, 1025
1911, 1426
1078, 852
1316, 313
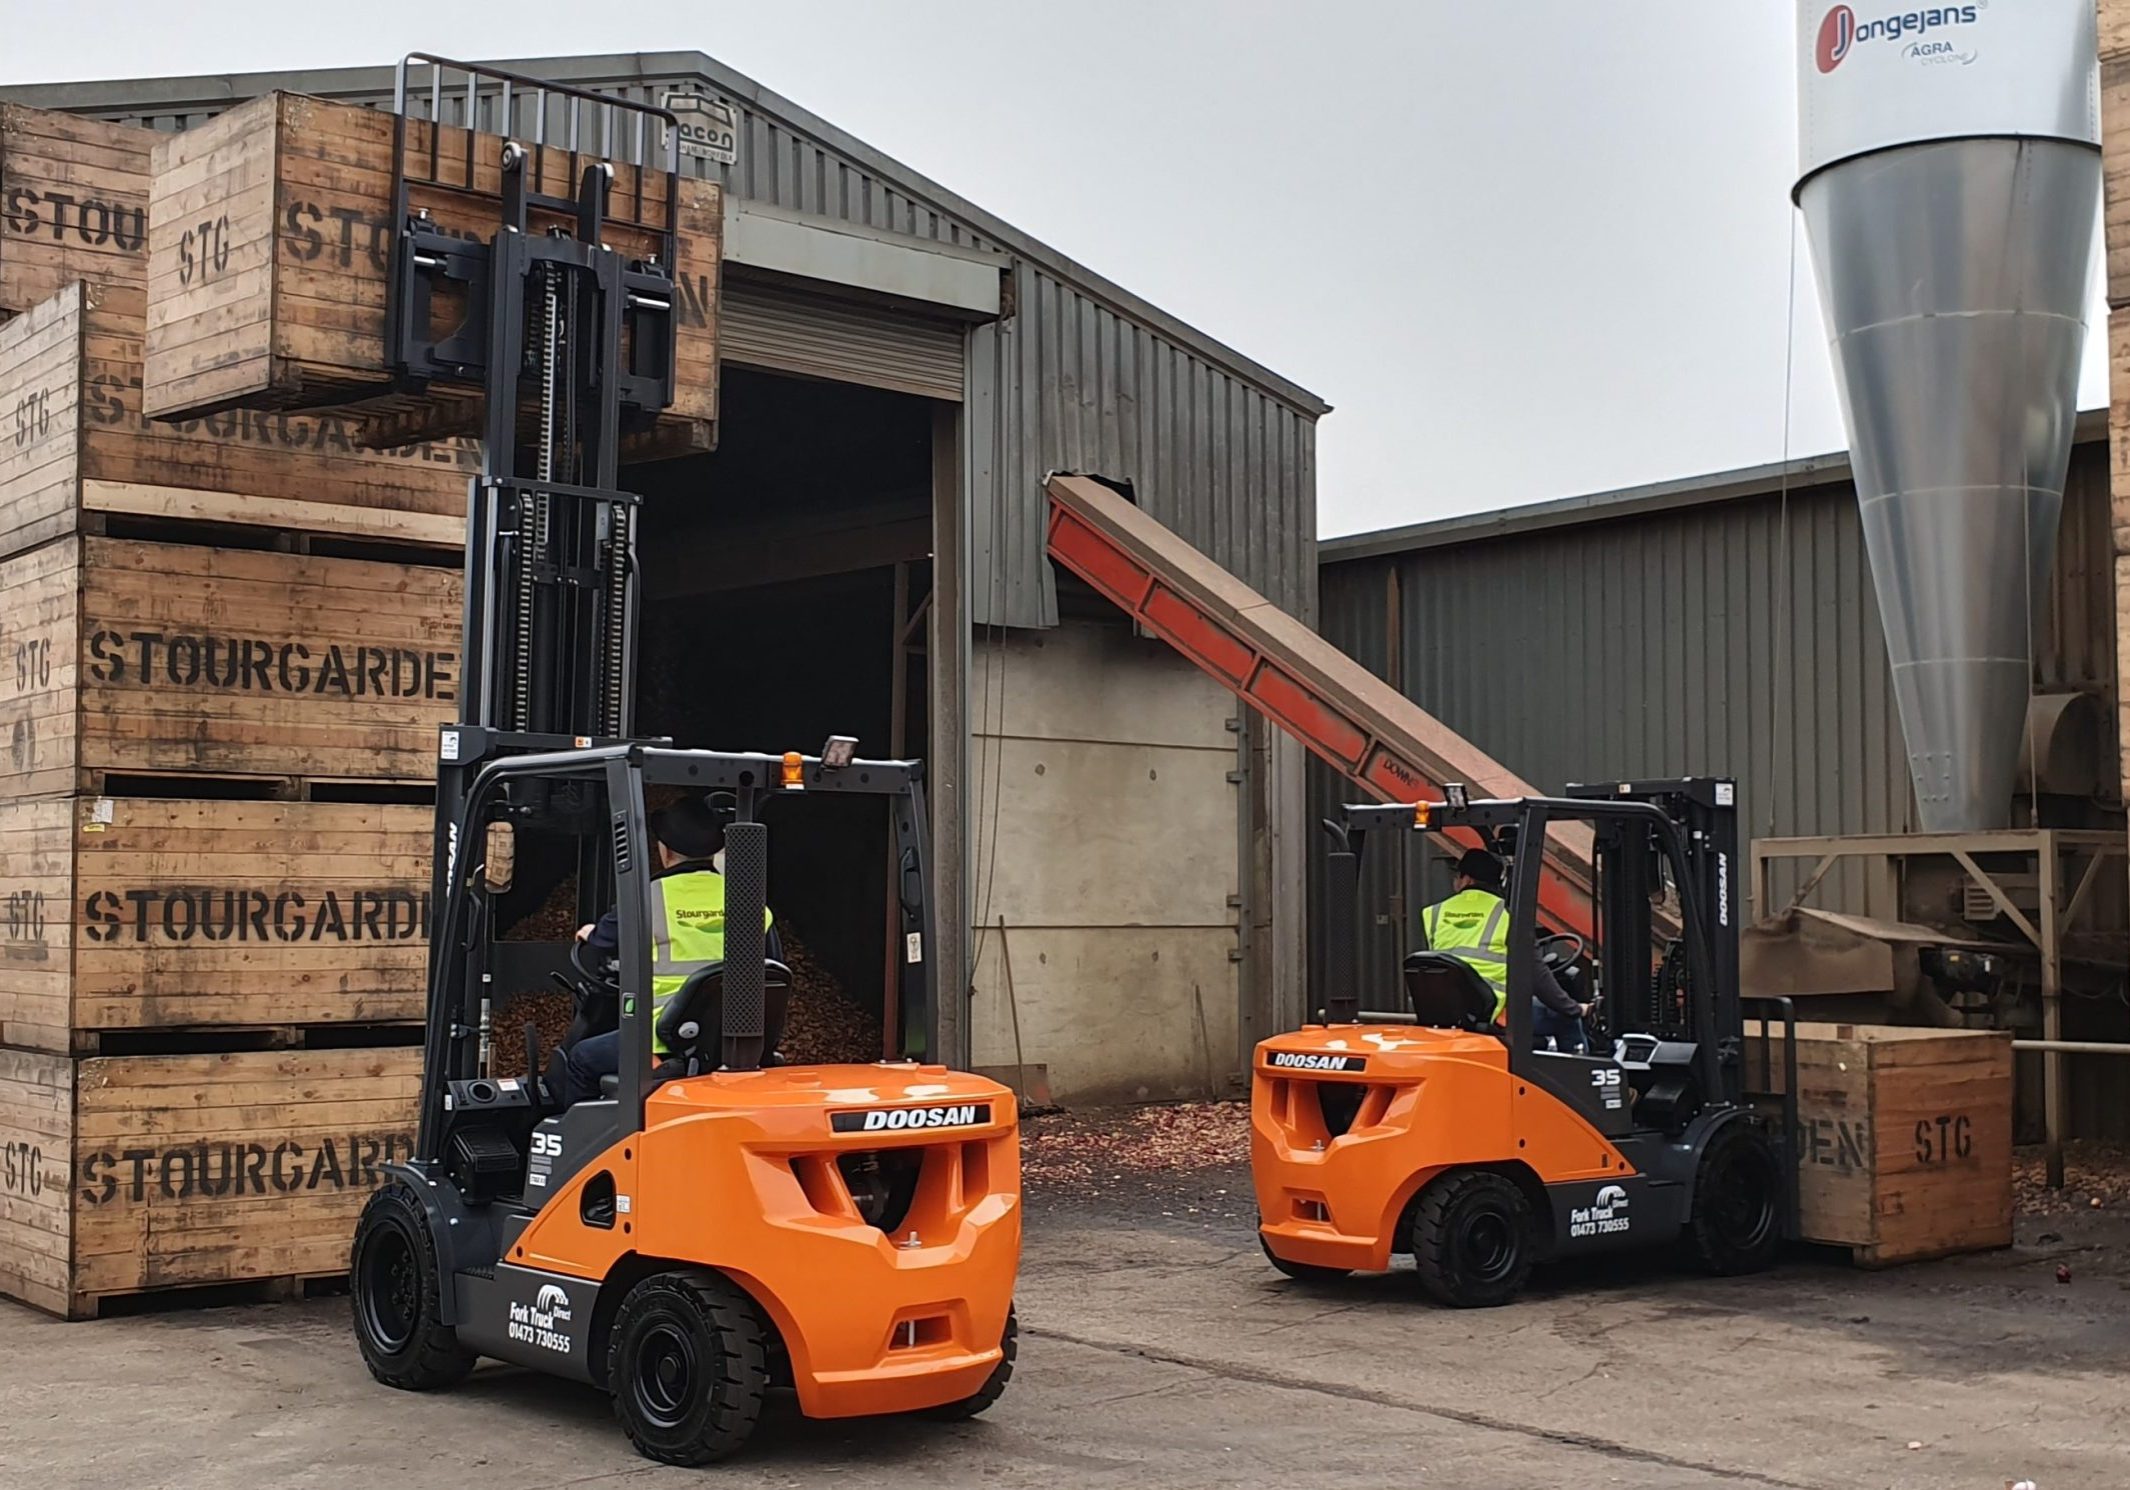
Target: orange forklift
1434, 1131
713, 1224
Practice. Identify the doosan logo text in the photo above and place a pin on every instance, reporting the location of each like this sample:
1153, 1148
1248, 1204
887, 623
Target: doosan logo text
1309, 1060
1841, 32
900, 1119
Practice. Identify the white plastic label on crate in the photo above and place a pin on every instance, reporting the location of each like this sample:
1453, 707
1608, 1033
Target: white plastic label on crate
913, 947
623, 1204
100, 816
1877, 73
1726, 794
448, 746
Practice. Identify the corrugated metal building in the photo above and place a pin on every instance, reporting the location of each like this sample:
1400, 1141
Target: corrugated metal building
1720, 625
847, 268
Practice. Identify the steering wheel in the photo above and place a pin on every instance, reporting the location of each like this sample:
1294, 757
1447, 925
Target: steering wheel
596, 970
1560, 949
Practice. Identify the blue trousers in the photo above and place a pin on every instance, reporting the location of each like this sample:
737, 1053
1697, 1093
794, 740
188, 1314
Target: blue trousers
585, 1062
1566, 1030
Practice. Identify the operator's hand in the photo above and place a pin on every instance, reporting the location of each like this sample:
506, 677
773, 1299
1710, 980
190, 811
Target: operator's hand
584, 932
1589, 1008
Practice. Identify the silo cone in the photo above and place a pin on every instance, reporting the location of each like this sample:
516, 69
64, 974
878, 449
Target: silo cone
1952, 175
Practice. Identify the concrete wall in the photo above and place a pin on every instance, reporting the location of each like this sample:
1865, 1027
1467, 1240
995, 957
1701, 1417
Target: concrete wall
1104, 824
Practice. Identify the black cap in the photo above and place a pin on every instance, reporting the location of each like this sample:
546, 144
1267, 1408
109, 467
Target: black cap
1481, 868
689, 827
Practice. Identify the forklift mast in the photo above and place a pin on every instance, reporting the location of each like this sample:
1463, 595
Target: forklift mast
1630, 868
571, 346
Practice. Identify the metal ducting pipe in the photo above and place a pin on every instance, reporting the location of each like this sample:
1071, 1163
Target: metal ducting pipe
2062, 751
1951, 173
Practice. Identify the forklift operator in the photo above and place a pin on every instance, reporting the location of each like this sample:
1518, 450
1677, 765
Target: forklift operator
1473, 926
687, 931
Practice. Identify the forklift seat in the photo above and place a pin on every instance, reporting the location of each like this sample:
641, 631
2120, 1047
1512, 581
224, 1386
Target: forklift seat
693, 1021
1447, 992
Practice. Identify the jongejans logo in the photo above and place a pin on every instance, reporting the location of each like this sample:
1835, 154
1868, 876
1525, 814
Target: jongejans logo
1837, 35
1841, 31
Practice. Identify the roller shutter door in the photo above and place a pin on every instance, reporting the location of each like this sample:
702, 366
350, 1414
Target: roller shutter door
789, 331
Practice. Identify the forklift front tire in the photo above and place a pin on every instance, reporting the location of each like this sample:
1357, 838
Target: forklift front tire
1737, 1222
393, 1288
994, 1386
688, 1367
1301, 1272
1472, 1239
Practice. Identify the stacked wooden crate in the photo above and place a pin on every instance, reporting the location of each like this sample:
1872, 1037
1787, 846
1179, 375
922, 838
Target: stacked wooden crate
225, 645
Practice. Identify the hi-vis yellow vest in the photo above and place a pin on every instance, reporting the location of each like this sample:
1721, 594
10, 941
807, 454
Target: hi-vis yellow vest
687, 933
1473, 926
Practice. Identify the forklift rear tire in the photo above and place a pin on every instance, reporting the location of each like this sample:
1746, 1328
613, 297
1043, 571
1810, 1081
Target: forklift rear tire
688, 1367
1472, 1239
393, 1289
1737, 1222
1302, 1272
994, 1386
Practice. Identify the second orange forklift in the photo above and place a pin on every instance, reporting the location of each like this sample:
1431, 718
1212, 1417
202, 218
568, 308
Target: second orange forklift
1433, 1131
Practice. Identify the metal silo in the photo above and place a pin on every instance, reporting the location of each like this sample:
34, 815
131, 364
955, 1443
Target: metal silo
1950, 172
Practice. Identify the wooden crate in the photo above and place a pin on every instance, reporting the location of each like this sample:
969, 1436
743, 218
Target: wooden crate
74, 441
131, 1173
120, 657
73, 206
134, 914
1905, 1148
270, 246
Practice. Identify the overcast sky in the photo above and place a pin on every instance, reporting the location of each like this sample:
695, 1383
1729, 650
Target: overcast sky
1527, 248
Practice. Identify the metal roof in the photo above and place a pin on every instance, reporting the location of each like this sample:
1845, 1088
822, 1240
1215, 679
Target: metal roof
212, 91
1632, 501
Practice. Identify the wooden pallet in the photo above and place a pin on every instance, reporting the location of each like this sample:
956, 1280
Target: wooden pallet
287, 1288
120, 1176
73, 205
73, 440
1906, 1144
128, 916
271, 243
161, 659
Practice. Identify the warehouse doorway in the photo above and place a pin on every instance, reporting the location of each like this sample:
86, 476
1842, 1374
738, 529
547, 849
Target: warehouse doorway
786, 584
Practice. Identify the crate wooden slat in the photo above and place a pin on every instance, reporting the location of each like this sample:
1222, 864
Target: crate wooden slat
1906, 1143
74, 440
125, 1174
270, 249
143, 914
118, 656
73, 205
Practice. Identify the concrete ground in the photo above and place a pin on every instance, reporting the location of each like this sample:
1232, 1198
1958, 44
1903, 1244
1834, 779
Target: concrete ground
1159, 1350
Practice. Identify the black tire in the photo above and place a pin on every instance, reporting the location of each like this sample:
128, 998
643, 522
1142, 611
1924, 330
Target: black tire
688, 1367
1472, 1239
994, 1386
393, 1290
1736, 1226
1301, 1272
